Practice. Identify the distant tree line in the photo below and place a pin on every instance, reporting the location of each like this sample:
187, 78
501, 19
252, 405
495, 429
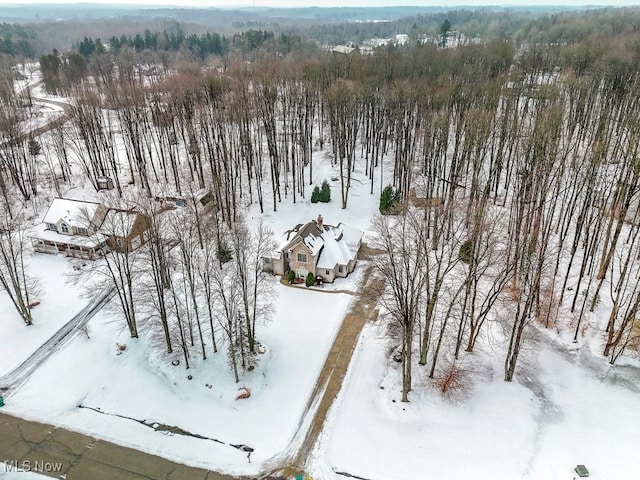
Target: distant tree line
200, 46
525, 27
17, 40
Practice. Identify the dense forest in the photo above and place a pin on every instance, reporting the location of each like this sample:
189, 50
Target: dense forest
507, 169
17, 40
64, 29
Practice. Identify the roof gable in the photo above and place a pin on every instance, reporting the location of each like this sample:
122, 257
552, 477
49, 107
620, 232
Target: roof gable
341, 245
331, 245
74, 213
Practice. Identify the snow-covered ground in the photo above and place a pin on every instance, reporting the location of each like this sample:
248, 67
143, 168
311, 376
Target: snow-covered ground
566, 406
564, 409
17, 472
361, 205
59, 302
45, 108
90, 372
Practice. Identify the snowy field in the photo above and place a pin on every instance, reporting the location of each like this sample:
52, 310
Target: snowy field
59, 302
361, 205
564, 409
90, 372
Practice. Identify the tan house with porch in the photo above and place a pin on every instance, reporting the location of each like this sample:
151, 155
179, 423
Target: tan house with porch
88, 229
71, 227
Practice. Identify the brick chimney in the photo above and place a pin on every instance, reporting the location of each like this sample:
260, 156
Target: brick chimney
319, 222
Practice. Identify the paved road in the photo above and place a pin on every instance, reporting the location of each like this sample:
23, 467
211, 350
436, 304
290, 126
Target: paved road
75, 456
67, 114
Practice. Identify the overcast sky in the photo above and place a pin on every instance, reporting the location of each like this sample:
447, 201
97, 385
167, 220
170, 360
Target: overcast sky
338, 3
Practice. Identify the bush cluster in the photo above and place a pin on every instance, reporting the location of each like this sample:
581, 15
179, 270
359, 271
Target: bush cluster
321, 194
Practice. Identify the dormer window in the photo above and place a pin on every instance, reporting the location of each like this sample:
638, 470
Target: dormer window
52, 226
81, 231
65, 228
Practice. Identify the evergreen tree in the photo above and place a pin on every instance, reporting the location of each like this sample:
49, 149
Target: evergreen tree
325, 192
321, 194
310, 280
445, 27
316, 195
388, 199
50, 69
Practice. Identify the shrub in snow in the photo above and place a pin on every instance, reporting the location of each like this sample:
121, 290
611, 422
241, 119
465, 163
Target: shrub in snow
245, 392
224, 253
452, 383
321, 194
315, 195
310, 280
325, 192
291, 276
34, 147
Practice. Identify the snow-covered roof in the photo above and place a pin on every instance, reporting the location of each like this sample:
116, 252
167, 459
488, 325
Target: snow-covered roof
94, 241
75, 213
341, 244
342, 49
334, 245
312, 235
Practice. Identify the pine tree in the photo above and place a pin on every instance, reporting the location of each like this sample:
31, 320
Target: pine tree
325, 192
387, 199
316, 195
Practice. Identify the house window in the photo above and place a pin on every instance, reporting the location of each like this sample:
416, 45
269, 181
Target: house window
65, 228
81, 231
326, 272
340, 269
119, 242
302, 257
52, 226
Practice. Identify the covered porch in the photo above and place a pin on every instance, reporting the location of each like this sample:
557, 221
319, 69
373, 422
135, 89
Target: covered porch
76, 246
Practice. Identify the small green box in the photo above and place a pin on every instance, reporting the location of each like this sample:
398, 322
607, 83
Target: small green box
582, 471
